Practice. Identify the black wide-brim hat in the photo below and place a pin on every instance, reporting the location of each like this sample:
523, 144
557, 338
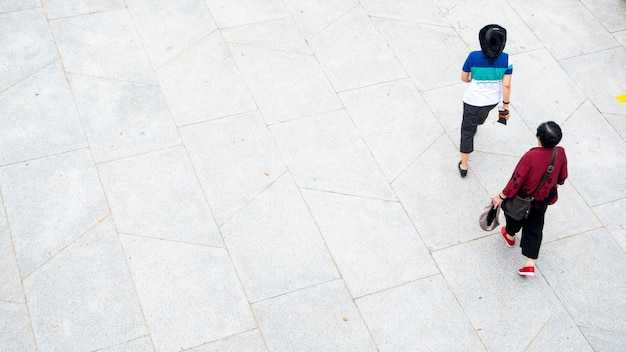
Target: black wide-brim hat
492, 38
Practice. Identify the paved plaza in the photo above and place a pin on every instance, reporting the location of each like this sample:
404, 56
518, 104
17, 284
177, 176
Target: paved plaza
281, 175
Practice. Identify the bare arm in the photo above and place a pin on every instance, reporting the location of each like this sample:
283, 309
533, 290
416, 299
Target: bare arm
506, 90
466, 76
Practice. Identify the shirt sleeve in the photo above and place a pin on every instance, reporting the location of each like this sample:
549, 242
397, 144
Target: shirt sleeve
509, 67
563, 170
467, 66
517, 180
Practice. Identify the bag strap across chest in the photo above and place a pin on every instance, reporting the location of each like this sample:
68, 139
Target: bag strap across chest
545, 175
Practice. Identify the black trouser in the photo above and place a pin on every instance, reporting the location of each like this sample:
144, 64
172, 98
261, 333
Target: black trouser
472, 117
532, 229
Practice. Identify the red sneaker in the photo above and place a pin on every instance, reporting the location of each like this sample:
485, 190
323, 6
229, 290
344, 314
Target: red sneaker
509, 243
527, 271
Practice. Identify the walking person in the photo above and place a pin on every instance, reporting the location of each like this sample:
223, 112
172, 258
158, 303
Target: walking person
528, 178
488, 73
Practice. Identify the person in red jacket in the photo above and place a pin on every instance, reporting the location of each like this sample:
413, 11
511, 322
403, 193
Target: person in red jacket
525, 179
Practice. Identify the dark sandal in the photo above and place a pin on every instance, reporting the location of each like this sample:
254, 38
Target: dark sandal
461, 171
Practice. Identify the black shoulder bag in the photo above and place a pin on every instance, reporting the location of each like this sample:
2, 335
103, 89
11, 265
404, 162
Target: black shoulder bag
518, 207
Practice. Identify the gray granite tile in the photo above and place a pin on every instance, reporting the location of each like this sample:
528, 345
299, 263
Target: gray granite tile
68, 8
423, 315
468, 17
158, 195
274, 61
570, 215
26, 133
46, 214
566, 28
560, 333
320, 318
17, 5
235, 159
231, 13
584, 271
314, 16
447, 5
601, 86
189, 294
281, 34
493, 171
275, 245
395, 122
611, 215
121, 118
83, 298
353, 54
541, 90
416, 45
10, 280
618, 122
621, 37
595, 156
325, 152
142, 344
610, 13
17, 334
443, 206
27, 45
102, 44
275, 79
373, 242
483, 276
605, 340
204, 83
406, 10
49, 203
250, 341
447, 112
168, 28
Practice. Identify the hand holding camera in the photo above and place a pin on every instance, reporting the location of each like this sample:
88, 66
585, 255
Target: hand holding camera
503, 116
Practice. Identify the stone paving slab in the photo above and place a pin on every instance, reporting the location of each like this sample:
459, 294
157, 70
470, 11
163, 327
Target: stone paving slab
281, 175
158, 178
102, 44
369, 262
276, 245
506, 309
384, 114
63, 191
226, 150
23, 136
28, 48
432, 320
85, 292
274, 76
190, 294
319, 318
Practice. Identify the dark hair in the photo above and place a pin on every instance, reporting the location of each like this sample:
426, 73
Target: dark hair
549, 134
492, 38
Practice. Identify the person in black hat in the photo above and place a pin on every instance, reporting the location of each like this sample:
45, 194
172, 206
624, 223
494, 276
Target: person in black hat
488, 73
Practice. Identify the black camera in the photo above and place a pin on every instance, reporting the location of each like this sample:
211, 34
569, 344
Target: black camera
502, 116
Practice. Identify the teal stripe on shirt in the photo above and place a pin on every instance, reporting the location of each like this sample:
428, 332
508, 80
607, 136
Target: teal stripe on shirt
489, 73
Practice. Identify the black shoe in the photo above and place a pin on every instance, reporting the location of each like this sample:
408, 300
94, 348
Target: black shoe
461, 171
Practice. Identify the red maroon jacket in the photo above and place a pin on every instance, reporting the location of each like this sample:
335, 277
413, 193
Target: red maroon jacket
529, 171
